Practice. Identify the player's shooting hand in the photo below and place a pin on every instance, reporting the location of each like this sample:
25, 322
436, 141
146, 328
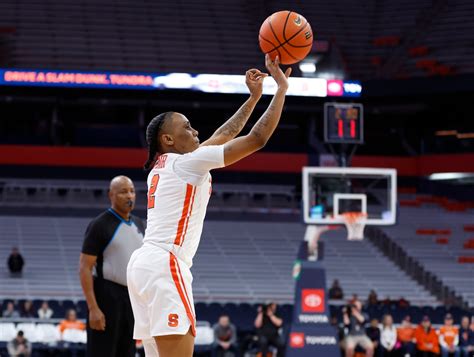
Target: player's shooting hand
275, 71
254, 81
96, 319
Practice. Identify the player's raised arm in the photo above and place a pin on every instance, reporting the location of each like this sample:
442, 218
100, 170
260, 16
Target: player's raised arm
232, 127
263, 129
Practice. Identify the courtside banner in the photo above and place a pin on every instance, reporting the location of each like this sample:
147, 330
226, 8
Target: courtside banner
209, 83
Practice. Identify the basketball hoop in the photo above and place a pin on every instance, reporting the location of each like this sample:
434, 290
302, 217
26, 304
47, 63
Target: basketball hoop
355, 224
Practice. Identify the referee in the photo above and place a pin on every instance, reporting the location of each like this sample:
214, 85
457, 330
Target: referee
109, 242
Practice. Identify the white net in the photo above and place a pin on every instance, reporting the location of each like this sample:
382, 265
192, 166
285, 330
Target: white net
355, 224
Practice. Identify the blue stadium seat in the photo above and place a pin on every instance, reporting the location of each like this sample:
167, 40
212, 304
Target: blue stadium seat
81, 309
286, 312
400, 313
68, 304
201, 311
457, 313
245, 321
232, 310
58, 311
5, 303
214, 310
37, 304
415, 314
438, 314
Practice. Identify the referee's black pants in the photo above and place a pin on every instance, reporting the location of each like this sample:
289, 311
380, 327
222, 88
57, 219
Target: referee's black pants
117, 339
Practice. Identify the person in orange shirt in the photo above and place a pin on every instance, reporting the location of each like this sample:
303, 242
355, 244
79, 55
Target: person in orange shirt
449, 337
71, 322
427, 344
406, 337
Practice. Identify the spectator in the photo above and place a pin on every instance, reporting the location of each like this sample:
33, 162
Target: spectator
466, 338
15, 263
449, 337
471, 327
388, 336
10, 311
45, 312
354, 319
267, 324
387, 301
19, 346
335, 292
71, 322
403, 303
406, 338
373, 331
225, 336
372, 299
354, 299
427, 344
27, 310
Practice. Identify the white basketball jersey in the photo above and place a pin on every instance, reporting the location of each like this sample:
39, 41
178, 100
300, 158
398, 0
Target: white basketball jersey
179, 188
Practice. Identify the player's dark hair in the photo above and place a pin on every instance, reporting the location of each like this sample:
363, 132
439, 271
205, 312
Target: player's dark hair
152, 132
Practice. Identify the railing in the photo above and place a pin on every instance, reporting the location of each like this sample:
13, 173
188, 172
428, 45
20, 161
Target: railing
413, 268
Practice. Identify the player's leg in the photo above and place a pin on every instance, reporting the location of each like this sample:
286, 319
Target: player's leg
160, 293
175, 345
150, 347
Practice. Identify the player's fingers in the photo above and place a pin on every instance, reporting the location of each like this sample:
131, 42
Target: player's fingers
277, 61
260, 73
288, 72
256, 74
268, 61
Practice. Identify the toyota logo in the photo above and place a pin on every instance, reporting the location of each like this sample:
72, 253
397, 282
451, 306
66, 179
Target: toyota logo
334, 87
297, 339
313, 300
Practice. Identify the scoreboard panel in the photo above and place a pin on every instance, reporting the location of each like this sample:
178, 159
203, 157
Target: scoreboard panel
343, 123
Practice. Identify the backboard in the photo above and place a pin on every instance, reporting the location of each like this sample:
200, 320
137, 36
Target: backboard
329, 192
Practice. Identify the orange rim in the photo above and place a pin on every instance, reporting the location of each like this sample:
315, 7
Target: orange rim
353, 217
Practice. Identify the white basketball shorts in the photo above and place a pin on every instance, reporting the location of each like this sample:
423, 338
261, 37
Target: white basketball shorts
159, 285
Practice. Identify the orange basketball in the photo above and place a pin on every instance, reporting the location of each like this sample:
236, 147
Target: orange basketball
286, 34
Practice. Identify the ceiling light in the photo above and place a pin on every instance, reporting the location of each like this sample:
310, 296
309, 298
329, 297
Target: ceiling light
449, 176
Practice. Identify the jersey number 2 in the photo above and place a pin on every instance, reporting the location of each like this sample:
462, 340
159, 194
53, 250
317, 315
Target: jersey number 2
152, 190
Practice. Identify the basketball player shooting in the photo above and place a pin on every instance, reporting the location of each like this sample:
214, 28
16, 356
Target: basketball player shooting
179, 188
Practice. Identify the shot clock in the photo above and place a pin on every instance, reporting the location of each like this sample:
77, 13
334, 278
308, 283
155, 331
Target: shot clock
343, 123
